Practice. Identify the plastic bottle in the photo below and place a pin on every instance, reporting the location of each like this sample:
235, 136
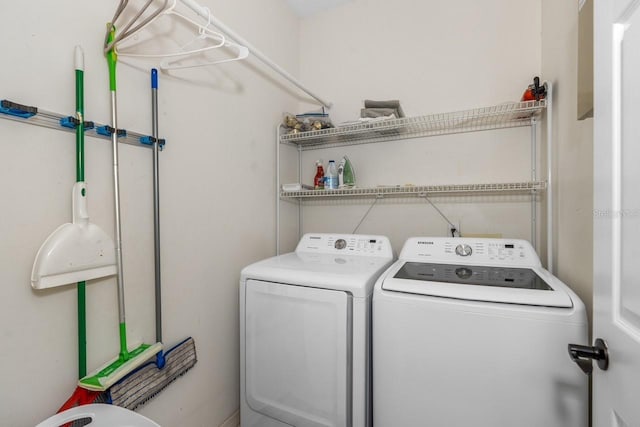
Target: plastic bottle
318, 180
348, 173
331, 180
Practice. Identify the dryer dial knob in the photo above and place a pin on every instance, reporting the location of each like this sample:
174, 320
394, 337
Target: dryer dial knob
463, 250
340, 244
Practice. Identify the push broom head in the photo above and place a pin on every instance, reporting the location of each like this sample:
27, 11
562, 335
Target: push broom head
74, 252
110, 373
150, 379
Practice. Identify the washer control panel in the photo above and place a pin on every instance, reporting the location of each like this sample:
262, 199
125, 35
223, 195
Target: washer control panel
348, 244
470, 251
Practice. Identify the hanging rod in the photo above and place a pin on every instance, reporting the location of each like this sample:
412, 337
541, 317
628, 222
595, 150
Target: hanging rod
203, 12
34, 116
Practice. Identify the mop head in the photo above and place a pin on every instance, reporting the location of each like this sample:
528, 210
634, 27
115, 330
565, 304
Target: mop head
107, 375
143, 384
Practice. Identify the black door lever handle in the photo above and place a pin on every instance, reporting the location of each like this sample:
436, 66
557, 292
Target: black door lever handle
583, 354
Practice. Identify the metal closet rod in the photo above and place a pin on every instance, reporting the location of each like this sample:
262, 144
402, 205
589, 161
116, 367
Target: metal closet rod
203, 12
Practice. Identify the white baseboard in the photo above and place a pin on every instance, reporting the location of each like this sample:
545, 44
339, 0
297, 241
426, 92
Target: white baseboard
233, 420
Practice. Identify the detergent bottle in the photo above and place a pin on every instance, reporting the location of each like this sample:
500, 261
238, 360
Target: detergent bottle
318, 180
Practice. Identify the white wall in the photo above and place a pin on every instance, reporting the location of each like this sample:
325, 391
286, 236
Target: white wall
573, 150
434, 58
217, 203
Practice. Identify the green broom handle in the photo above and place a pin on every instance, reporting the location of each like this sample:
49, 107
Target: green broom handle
112, 59
82, 330
82, 299
80, 126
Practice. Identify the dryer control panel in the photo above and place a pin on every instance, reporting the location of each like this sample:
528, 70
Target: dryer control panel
514, 252
347, 244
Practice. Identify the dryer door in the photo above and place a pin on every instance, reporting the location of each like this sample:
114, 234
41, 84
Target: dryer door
298, 353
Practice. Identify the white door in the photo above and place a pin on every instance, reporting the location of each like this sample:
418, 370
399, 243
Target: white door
616, 391
297, 354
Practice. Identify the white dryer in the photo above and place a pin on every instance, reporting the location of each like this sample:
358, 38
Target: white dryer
474, 332
305, 333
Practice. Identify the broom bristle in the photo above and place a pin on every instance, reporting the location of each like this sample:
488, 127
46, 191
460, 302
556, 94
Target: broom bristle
147, 381
83, 397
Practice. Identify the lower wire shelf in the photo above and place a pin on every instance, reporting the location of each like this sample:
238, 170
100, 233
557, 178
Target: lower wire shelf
418, 190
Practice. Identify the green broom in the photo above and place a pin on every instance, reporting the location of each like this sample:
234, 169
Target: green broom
81, 396
127, 361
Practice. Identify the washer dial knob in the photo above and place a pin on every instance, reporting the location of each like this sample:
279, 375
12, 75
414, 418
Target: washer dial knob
464, 250
340, 244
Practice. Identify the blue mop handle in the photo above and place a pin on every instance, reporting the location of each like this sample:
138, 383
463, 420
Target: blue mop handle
160, 360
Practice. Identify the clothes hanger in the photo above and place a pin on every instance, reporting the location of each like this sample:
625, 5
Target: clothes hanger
256, 53
242, 52
126, 31
204, 33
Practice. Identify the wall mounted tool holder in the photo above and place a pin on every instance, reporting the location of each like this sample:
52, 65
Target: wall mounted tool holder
35, 116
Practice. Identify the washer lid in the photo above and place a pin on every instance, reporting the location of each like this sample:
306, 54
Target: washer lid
478, 283
354, 274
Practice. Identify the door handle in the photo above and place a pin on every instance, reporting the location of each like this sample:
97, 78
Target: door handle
583, 354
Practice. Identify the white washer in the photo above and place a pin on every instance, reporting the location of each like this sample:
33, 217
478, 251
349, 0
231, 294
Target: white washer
474, 332
305, 333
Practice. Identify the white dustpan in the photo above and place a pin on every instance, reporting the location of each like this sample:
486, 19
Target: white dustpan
74, 252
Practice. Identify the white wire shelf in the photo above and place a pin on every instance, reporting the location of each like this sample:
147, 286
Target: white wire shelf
515, 114
52, 120
419, 190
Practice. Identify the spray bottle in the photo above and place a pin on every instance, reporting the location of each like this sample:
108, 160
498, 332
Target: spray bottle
348, 173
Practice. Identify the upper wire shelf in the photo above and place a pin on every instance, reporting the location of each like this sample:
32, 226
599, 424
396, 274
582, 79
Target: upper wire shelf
508, 115
36, 116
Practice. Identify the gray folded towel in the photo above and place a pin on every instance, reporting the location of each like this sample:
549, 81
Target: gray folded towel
395, 104
378, 112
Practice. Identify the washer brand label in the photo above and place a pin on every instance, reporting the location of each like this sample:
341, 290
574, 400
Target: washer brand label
315, 237
422, 242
